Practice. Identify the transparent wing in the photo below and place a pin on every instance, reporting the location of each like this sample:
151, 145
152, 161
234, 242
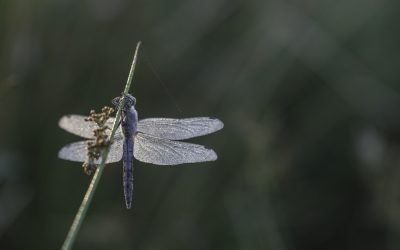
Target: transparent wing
77, 125
159, 151
179, 129
77, 151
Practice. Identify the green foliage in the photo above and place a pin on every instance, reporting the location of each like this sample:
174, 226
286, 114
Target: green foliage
80, 215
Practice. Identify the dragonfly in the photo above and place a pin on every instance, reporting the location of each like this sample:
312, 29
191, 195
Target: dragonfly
151, 140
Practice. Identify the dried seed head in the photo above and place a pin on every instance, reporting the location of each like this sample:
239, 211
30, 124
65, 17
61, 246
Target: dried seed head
100, 118
101, 141
88, 168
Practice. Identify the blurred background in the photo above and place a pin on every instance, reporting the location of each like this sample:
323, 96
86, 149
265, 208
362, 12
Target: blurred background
308, 91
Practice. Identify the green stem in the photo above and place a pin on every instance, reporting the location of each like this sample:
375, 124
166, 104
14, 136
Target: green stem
80, 215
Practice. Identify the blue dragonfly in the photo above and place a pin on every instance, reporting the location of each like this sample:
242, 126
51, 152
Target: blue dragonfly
151, 140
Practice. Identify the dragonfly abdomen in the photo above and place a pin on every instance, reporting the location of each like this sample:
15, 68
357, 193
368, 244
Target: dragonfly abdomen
128, 170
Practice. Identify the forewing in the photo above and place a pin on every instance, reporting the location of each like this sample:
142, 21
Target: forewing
159, 151
179, 129
77, 151
77, 125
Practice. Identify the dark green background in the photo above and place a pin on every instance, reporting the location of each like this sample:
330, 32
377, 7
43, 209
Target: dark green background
308, 90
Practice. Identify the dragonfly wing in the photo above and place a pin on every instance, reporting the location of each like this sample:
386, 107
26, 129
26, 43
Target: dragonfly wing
77, 151
179, 129
77, 125
159, 151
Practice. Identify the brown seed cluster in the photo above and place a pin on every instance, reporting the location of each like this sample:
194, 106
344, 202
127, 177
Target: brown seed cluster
100, 142
100, 118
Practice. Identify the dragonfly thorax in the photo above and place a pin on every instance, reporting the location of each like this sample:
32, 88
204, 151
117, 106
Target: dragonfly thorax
129, 121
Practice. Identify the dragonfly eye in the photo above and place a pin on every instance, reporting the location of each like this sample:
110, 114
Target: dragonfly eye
130, 100
115, 101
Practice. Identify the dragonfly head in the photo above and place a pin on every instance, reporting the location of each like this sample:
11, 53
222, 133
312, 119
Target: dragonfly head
129, 101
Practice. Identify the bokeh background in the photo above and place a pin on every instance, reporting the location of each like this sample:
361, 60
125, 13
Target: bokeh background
308, 90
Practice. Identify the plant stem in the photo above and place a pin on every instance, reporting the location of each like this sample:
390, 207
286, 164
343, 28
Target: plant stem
80, 215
